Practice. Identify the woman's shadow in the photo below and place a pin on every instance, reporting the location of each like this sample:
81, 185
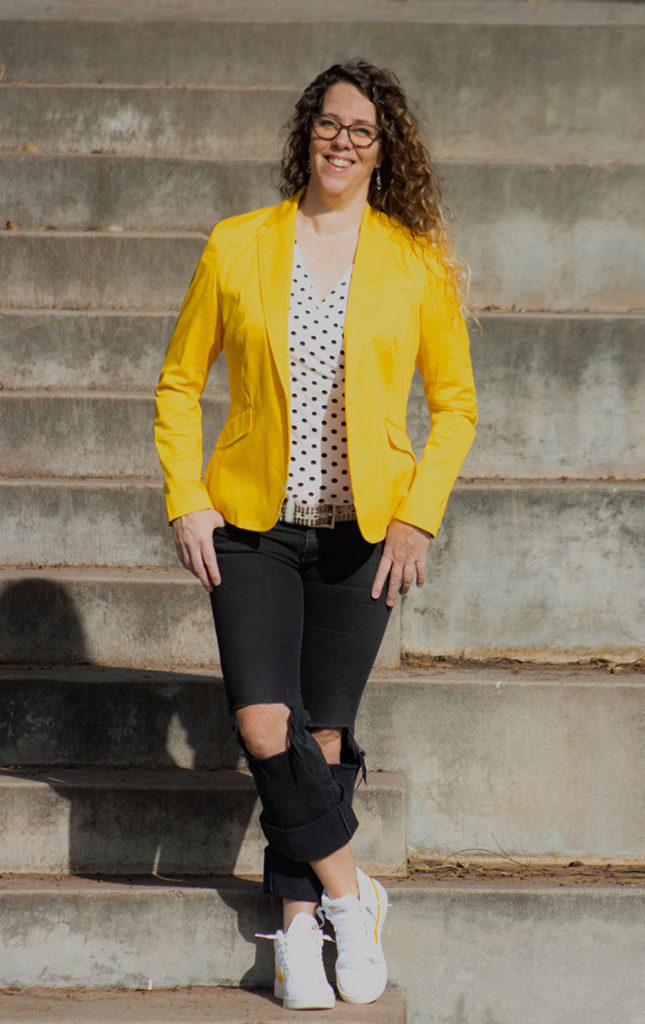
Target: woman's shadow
145, 760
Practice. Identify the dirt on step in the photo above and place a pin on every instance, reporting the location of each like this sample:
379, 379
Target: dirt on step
575, 872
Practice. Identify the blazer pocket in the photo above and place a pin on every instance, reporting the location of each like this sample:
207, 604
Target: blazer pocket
398, 438
235, 427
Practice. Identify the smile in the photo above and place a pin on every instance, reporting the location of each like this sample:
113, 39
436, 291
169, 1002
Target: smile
338, 161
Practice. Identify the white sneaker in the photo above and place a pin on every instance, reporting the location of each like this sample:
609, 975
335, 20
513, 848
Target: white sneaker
300, 980
361, 971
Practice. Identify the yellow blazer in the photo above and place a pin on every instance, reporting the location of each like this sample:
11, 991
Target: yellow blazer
400, 311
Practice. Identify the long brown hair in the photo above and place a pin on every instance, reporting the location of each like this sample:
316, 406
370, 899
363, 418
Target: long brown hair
409, 191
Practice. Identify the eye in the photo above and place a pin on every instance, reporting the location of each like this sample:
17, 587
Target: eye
362, 132
327, 122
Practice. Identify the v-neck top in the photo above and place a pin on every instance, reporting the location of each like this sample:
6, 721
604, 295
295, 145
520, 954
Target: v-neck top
318, 462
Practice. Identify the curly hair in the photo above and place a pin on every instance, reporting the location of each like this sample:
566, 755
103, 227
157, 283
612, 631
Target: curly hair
409, 191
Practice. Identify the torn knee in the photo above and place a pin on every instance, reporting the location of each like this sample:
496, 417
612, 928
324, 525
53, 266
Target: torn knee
330, 741
263, 729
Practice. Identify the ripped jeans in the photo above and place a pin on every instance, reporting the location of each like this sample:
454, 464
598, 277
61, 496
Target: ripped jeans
296, 625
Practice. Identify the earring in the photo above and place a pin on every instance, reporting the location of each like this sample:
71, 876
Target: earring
378, 179
308, 166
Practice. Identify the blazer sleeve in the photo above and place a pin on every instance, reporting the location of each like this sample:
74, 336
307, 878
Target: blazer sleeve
443, 360
193, 348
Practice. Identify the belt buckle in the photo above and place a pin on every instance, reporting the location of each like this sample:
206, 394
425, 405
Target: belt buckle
332, 517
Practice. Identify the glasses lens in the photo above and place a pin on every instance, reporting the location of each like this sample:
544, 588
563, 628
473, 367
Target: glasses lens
326, 127
363, 134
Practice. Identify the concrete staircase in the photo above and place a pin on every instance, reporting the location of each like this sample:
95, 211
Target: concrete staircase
127, 829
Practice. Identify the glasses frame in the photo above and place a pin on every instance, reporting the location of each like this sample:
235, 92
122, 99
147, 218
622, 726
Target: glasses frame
348, 129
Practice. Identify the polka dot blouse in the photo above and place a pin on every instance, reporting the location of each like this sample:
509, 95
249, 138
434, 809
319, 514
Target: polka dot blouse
318, 465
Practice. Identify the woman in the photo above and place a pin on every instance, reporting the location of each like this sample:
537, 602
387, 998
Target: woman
313, 514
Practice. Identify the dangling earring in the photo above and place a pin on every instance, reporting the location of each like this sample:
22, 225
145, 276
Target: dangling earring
308, 166
378, 179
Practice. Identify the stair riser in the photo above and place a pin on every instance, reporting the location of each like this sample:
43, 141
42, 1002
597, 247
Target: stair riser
119, 937
91, 435
545, 791
590, 109
81, 192
128, 619
85, 271
557, 397
544, 572
536, 237
204, 123
56, 825
113, 351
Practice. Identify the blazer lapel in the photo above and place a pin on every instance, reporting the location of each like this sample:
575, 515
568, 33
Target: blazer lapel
371, 280
275, 255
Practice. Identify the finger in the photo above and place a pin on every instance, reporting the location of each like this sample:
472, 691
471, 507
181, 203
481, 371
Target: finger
421, 573
199, 570
407, 577
382, 571
211, 566
183, 554
393, 585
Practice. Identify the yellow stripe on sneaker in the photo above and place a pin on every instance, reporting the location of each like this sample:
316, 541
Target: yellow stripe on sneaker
280, 976
378, 913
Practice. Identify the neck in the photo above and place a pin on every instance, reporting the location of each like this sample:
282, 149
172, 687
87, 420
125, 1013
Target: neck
331, 215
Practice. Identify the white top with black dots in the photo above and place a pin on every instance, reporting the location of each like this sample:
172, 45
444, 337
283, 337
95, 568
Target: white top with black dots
318, 466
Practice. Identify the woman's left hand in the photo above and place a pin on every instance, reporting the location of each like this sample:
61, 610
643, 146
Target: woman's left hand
403, 558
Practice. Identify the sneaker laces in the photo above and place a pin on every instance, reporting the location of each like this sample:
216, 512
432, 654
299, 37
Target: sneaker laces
293, 952
353, 935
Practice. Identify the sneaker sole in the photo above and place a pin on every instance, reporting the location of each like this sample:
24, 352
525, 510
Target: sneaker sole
324, 1003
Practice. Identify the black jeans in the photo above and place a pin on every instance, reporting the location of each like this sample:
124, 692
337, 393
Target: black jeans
296, 625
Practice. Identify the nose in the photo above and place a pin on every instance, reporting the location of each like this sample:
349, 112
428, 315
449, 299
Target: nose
342, 139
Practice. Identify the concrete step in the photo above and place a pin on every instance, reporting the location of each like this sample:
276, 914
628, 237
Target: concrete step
209, 123
87, 350
535, 571
143, 618
528, 762
559, 577
562, 237
571, 84
96, 270
530, 953
181, 1006
132, 192
109, 822
558, 395
89, 434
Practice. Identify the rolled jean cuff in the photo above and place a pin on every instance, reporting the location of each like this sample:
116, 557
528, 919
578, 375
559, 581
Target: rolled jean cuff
285, 878
316, 839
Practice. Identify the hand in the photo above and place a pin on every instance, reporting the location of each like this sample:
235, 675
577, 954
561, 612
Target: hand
404, 556
193, 535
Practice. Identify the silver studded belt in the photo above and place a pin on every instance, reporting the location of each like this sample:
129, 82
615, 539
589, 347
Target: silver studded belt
324, 516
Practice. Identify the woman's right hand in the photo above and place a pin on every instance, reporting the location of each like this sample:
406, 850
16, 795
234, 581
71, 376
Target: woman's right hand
193, 535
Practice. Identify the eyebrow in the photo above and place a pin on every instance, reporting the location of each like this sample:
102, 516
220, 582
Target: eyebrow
328, 113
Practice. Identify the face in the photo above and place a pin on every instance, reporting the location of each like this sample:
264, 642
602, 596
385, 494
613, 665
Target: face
339, 170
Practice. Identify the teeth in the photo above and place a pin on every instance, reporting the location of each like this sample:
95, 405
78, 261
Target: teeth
337, 161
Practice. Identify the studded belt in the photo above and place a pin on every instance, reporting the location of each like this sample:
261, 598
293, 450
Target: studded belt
323, 516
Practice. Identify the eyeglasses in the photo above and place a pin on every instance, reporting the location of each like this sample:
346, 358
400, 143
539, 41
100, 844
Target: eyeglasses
328, 127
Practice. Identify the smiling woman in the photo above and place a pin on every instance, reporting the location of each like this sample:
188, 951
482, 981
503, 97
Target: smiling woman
313, 514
